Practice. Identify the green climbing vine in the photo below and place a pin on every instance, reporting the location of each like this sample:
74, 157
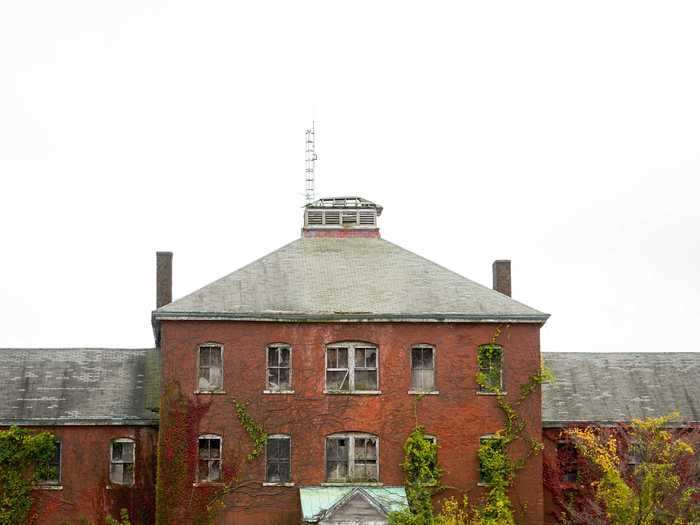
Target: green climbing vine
252, 428
422, 471
497, 466
25, 459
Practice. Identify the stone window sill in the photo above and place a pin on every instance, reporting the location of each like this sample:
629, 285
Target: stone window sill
355, 393
212, 393
208, 484
353, 483
478, 393
422, 393
270, 484
49, 487
116, 486
278, 391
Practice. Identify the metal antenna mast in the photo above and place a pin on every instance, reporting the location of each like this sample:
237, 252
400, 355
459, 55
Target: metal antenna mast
310, 193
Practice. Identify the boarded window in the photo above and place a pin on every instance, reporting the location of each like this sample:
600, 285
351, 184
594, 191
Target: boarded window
423, 368
211, 372
279, 373
121, 469
352, 458
490, 360
209, 458
278, 459
351, 367
52, 473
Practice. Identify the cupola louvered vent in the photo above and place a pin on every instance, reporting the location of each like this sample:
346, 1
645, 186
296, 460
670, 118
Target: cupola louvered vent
341, 214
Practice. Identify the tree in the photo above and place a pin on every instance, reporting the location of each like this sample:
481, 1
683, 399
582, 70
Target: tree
640, 474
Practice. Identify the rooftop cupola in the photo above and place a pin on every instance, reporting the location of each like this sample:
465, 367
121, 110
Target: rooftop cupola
341, 217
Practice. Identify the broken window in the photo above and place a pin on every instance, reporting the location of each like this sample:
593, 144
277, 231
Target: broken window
211, 374
351, 367
423, 368
279, 367
52, 473
352, 458
490, 360
121, 469
567, 457
278, 459
209, 458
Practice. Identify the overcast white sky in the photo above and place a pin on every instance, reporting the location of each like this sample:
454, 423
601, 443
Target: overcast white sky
562, 135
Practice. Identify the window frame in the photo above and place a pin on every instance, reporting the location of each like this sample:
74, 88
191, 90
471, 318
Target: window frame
413, 389
482, 391
351, 368
220, 459
54, 483
132, 441
289, 482
482, 482
571, 466
290, 387
351, 437
220, 389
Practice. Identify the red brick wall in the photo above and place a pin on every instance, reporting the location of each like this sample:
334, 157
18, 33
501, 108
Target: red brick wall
457, 416
85, 455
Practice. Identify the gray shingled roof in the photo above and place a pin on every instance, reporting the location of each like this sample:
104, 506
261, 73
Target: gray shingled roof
61, 386
610, 387
347, 279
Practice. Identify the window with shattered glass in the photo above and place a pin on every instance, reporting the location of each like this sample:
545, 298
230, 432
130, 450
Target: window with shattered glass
351, 367
209, 459
211, 373
121, 471
352, 458
279, 367
278, 451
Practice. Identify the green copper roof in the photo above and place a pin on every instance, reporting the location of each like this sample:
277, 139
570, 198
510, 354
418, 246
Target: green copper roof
316, 501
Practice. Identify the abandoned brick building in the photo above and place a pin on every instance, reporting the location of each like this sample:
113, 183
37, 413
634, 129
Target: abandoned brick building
335, 346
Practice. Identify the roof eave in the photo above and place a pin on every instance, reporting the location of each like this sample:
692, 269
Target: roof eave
54, 422
347, 317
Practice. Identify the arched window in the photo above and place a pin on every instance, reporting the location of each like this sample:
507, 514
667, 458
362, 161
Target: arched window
278, 458
210, 366
122, 459
279, 367
423, 368
352, 457
352, 367
209, 458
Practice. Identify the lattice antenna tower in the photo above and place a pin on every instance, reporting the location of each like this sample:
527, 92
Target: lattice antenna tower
310, 174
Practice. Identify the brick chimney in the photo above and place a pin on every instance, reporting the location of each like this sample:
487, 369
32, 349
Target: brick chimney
501, 276
164, 278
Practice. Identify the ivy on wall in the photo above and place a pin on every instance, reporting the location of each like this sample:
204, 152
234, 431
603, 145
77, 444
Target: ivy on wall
252, 428
25, 459
498, 467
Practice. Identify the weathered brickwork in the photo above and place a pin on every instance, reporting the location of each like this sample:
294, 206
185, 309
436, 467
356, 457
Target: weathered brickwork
457, 416
85, 491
